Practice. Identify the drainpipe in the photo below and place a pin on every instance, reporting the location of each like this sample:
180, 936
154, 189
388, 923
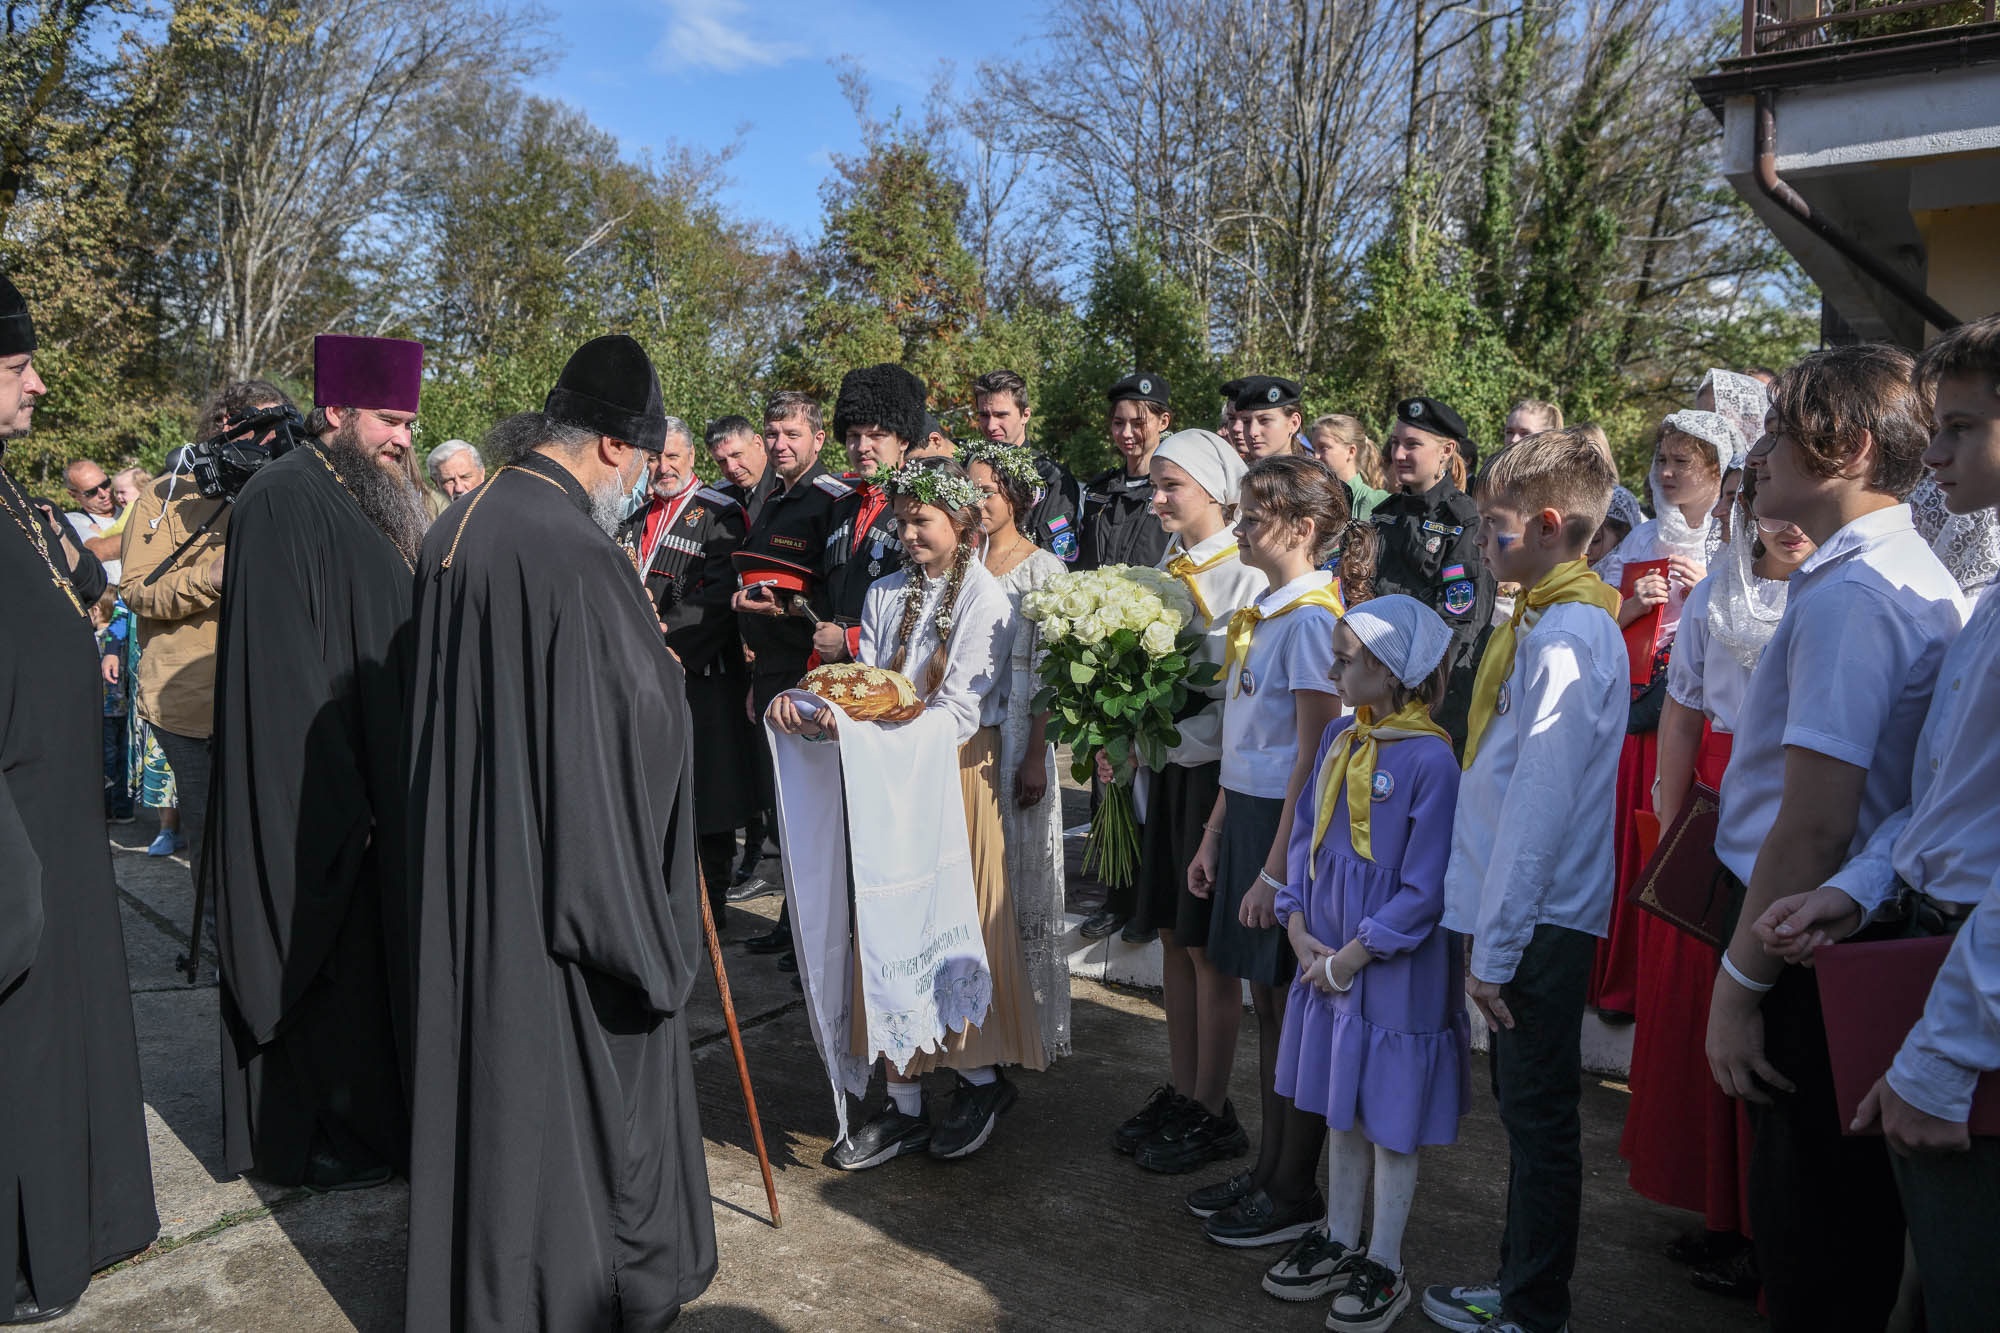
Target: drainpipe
1779, 192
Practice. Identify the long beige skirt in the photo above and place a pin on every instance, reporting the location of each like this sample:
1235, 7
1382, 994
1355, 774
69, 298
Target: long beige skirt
1012, 1032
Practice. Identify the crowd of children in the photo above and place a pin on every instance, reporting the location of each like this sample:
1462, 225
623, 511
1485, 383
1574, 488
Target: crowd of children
1445, 732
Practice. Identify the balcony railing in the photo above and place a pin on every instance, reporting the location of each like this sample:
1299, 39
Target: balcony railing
1774, 26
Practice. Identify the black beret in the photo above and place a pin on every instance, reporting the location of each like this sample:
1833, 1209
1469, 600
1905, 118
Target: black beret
1230, 389
609, 386
1428, 414
1255, 391
17, 328
1144, 385
884, 395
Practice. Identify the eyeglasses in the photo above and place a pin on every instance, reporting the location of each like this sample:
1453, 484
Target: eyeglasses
104, 485
1773, 526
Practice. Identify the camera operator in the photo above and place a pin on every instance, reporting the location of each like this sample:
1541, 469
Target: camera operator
177, 615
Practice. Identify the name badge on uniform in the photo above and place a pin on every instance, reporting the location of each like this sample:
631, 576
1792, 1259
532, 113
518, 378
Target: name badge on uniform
1382, 786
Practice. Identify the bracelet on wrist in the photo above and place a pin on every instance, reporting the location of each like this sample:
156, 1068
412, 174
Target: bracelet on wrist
1327, 967
1742, 979
1266, 877
1211, 829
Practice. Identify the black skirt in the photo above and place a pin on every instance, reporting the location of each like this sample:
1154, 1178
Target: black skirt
1177, 805
1263, 956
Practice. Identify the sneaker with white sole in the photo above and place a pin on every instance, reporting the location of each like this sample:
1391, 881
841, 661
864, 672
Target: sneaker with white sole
1374, 1295
884, 1137
1462, 1309
1315, 1266
975, 1110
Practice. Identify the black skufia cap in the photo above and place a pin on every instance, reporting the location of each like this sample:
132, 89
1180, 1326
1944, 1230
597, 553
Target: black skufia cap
1144, 385
1259, 391
609, 386
17, 327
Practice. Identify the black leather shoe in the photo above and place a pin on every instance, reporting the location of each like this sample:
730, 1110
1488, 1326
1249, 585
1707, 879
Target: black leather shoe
326, 1174
25, 1308
1734, 1276
1193, 1139
1099, 924
776, 940
746, 864
788, 961
1148, 1120
1133, 935
1258, 1219
754, 887
1209, 1200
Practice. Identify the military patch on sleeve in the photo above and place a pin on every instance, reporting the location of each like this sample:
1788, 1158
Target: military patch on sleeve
833, 486
1062, 542
1453, 572
1459, 596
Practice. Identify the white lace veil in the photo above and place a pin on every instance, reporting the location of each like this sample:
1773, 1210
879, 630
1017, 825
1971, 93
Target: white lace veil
1742, 402
1743, 609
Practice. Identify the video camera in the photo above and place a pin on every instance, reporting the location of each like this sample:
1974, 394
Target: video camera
223, 464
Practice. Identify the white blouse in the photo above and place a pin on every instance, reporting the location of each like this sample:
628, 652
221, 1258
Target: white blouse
1700, 675
975, 658
1225, 589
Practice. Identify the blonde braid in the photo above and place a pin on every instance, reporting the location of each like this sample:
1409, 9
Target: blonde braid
913, 602
934, 669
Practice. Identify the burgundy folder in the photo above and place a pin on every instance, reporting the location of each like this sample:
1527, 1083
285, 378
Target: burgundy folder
1872, 993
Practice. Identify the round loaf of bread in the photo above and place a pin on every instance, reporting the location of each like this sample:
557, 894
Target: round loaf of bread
865, 693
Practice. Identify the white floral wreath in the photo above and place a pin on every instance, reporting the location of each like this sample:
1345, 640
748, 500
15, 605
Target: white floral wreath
1009, 460
934, 486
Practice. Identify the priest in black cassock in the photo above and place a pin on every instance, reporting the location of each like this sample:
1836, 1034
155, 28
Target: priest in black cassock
76, 1184
311, 717
557, 1179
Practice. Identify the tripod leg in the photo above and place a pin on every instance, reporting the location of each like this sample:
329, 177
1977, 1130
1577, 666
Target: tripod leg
736, 1043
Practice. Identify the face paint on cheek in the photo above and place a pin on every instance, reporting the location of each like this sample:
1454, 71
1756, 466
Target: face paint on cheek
1506, 541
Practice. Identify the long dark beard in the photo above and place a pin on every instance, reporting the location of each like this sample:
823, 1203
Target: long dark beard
388, 501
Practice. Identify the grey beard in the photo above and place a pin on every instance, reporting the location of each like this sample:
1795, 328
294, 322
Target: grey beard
386, 500
607, 505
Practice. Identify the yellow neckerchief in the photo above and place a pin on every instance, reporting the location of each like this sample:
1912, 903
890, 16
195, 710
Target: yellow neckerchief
1243, 625
1184, 568
1571, 582
1356, 748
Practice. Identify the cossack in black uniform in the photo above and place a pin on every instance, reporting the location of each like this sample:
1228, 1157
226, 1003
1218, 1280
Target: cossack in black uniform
864, 547
690, 580
796, 524
1429, 550
1119, 526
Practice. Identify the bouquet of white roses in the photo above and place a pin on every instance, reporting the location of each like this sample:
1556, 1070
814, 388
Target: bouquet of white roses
1115, 675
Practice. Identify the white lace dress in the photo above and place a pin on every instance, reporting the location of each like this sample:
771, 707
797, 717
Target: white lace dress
1034, 833
1968, 544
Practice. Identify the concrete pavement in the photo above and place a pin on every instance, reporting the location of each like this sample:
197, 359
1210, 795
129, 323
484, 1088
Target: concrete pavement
1045, 1229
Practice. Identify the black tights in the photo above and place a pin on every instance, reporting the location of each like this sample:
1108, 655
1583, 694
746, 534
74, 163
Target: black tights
1291, 1140
717, 852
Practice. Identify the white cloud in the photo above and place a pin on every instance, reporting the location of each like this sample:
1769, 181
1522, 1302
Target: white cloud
720, 35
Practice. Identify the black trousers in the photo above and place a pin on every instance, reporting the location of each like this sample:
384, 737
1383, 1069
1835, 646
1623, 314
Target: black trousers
1828, 1221
1953, 1203
764, 687
1538, 1080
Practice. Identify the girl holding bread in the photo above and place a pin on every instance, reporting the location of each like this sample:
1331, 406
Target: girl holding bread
943, 621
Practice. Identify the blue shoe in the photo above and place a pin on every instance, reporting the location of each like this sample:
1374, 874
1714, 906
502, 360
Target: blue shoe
165, 843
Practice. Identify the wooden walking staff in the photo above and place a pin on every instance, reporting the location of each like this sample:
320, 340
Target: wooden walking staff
736, 1043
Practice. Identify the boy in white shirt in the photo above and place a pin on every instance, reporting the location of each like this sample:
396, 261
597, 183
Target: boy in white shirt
1824, 749
1530, 878
1932, 865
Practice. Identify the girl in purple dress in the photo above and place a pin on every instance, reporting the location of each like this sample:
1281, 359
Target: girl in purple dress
1375, 1033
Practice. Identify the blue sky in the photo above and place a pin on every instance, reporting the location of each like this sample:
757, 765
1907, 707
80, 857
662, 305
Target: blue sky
653, 72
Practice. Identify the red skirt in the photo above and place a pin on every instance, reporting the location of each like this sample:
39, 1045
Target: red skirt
1687, 1141
1614, 979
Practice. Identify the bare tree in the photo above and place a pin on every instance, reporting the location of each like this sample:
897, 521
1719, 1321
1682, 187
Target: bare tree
313, 121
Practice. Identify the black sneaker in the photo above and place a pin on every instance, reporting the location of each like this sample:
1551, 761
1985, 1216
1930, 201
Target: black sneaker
887, 1135
1194, 1139
1212, 1199
1099, 924
1257, 1220
778, 939
1374, 1295
1149, 1119
1316, 1266
974, 1111
1135, 934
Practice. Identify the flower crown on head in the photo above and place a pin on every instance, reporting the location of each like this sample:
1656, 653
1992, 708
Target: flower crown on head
1011, 461
934, 486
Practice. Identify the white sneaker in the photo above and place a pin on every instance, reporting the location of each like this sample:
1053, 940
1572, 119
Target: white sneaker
1375, 1294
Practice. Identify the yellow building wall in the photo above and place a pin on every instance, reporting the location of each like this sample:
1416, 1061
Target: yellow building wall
1963, 245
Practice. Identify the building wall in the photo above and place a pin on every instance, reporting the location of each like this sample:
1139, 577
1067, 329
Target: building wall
1963, 272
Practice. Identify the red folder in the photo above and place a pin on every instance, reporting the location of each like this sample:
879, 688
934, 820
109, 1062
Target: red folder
1642, 636
1871, 995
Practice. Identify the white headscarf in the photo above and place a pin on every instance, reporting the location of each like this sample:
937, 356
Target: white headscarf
1742, 401
1208, 458
1676, 535
1405, 635
1743, 609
